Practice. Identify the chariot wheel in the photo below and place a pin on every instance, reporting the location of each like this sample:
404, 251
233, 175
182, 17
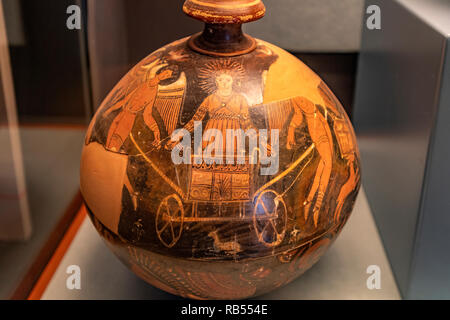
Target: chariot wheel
270, 218
169, 220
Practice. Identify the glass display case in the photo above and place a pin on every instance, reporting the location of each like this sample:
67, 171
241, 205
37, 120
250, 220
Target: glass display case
59, 60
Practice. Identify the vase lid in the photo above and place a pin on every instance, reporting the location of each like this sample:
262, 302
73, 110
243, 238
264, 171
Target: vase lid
225, 11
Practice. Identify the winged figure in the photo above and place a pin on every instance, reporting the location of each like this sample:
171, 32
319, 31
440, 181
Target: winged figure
142, 97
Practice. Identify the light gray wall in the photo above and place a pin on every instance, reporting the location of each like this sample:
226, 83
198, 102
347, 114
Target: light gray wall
311, 25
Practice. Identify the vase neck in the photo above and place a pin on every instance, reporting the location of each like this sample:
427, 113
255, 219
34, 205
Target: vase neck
222, 40
223, 34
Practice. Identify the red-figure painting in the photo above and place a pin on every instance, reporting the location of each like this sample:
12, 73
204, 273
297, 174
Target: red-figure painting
220, 166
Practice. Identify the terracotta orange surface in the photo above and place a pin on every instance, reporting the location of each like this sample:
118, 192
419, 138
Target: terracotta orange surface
220, 166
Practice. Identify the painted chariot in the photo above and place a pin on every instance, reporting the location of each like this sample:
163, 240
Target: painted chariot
222, 187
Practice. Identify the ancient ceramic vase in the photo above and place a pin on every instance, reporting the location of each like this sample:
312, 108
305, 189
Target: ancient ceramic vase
220, 166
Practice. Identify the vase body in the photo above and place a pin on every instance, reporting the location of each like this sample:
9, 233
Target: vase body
193, 225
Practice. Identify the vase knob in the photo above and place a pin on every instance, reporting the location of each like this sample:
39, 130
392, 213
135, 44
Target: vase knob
225, 11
